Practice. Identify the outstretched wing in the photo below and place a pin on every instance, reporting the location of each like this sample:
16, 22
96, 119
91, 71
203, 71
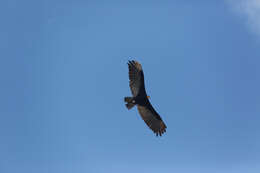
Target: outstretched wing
152, 118
136, 77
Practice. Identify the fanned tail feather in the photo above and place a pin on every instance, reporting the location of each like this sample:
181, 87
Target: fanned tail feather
129, 104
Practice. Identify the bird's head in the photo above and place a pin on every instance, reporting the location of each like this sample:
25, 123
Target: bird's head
148, 97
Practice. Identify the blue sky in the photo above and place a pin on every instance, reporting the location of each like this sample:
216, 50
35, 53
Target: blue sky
63, 77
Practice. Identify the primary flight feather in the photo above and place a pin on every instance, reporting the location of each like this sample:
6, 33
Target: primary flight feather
140, 99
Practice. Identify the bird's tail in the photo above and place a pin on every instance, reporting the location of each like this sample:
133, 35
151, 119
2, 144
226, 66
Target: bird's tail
129, 103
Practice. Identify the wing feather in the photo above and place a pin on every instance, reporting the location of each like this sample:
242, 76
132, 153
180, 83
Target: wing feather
136, 78
152, 119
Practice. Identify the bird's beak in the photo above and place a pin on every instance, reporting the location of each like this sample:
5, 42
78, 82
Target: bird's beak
148, 97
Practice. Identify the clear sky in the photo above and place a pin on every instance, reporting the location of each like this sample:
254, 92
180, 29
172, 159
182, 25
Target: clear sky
63, 73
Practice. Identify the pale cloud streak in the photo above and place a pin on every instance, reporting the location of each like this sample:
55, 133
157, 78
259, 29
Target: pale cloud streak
250, 9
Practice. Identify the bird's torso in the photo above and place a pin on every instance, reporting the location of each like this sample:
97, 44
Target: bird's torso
141, 100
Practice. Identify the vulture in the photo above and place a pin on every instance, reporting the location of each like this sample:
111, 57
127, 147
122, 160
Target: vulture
141, 100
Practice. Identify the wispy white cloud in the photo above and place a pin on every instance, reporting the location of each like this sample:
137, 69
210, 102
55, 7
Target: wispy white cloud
250, 9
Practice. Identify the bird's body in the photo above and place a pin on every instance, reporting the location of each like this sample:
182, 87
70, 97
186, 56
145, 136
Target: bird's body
140, 98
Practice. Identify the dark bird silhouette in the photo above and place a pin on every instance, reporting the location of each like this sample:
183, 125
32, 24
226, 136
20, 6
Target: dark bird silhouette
140, 98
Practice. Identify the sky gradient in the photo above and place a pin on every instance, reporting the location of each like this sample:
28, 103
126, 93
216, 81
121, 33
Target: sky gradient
63, 73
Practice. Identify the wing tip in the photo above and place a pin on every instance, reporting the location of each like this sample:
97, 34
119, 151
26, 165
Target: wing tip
134, 63
162, 130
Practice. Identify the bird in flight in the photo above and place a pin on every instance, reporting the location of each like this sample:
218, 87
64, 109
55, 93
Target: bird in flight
141, 100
